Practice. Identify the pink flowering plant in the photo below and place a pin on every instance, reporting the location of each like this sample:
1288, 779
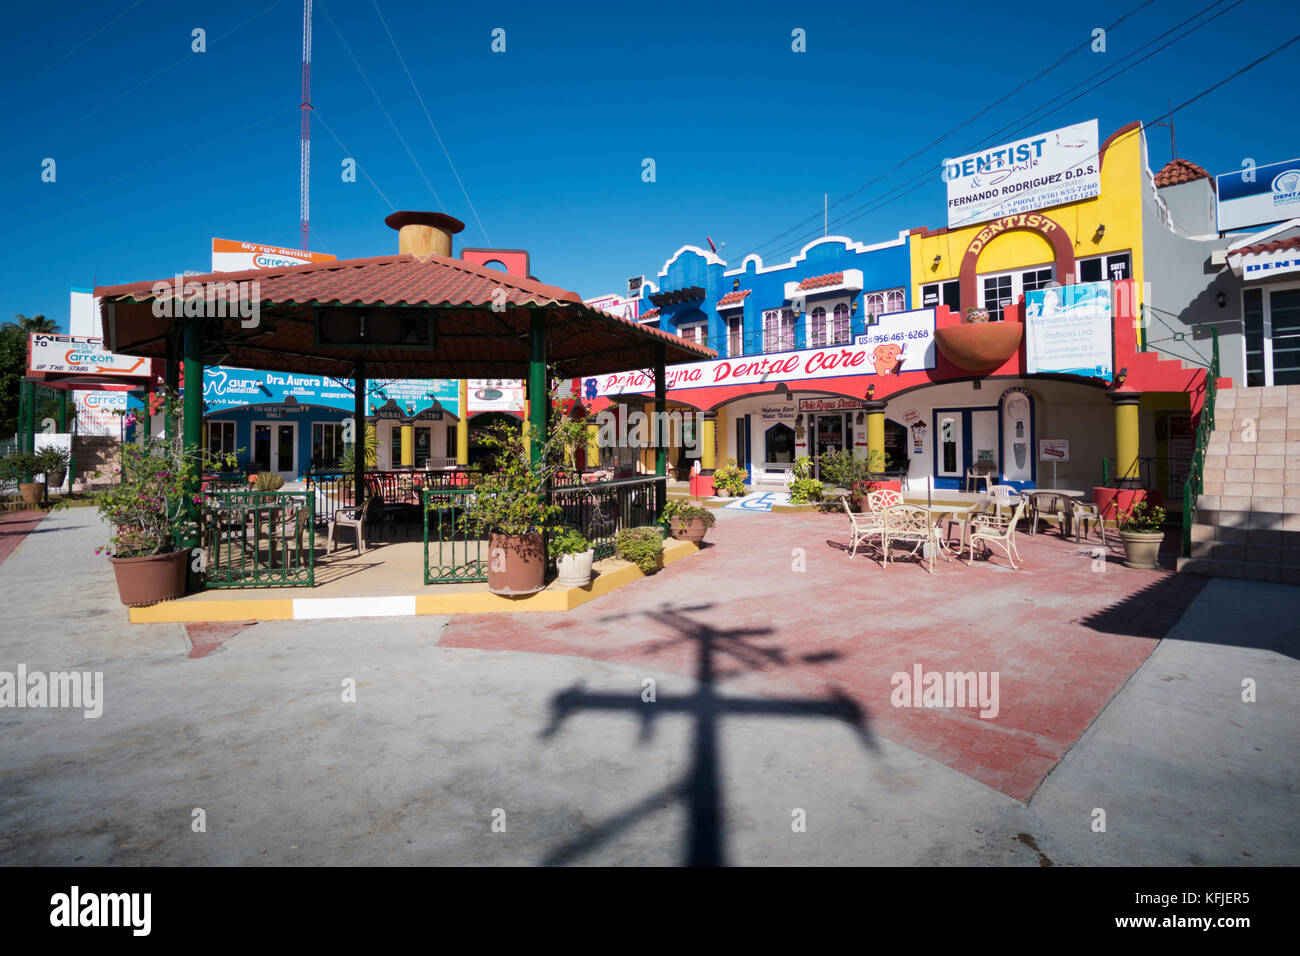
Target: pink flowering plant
154, 494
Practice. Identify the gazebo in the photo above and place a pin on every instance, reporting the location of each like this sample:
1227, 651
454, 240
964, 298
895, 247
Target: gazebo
417, 314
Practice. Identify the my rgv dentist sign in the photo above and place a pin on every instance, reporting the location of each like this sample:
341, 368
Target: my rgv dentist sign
1050, 169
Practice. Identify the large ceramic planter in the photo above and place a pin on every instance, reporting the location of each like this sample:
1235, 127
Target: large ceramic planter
516, 563
575, 569
1142, 549
979, 347
152, 578
692, 531
33, 492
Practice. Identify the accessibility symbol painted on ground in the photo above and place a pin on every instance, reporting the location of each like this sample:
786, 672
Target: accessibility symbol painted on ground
760, 501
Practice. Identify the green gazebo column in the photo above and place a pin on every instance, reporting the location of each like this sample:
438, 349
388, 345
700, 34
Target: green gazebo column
359, 434
191, 424
27, 422
657, 432
63, 410
539, 396
171, 379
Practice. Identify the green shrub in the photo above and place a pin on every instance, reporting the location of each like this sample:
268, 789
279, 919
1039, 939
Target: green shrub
566, 540
1144, 518
268, 481
685, 512
729, 480
644, 547
805, 490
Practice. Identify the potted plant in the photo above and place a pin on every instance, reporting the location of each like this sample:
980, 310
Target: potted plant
145, 509
573, 555
873, 478
644, 547
1142, 531
53, 463
18, 466
729, 480
804, 488
688, 522
510, 503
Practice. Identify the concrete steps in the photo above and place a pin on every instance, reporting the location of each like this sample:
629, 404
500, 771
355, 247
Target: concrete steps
1248, 515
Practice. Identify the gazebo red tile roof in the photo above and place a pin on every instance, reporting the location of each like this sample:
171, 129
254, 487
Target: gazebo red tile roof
820, 282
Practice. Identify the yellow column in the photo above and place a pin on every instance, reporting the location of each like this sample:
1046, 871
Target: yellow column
408, 445
876, 435
720, 431
462, 427
709, 443
593, 443
1127, 438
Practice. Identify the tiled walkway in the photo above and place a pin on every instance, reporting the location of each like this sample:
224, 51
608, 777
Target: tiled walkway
1063, 634
14, 527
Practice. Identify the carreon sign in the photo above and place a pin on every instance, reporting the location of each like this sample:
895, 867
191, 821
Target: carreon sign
230, 255
1050, 169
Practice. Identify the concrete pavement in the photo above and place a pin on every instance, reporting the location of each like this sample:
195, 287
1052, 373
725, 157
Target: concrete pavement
257, 734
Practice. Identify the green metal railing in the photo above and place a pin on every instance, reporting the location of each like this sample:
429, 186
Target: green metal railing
452, 555
1204, 428
602, 509
258, 539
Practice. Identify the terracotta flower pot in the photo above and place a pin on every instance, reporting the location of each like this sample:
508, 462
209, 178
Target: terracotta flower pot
1142, 549
516, 563
692, 531
152, 578
33, 492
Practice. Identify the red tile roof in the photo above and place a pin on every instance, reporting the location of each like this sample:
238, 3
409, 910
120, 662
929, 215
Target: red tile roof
652, 314
819, 282
1178, 171
733, 298
1275, 246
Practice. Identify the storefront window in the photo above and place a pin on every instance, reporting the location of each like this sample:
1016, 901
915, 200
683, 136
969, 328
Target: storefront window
1253, 314
221, 439
326, 444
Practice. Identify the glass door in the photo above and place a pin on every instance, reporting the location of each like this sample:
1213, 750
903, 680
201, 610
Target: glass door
1282, 326
949, 447
275, 448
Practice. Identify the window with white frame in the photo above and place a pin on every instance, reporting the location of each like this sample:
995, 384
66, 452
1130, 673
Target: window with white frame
840, 330
221, 440
1109, 268
882, 301
1006, 288
736, 334
778, 330
326, 443
695, 332
817, 328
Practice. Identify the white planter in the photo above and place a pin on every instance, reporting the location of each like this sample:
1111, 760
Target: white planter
575, 569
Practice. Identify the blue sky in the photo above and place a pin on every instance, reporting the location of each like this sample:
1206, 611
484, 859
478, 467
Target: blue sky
159, 149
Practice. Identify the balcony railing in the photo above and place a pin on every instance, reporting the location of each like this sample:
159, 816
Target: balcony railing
764, 341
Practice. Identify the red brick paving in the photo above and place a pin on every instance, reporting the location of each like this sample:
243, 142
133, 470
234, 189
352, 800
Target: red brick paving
1062, 637
208, 636
14, 526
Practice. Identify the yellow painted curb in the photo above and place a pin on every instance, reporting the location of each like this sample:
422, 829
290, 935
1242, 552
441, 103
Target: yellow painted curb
478, 602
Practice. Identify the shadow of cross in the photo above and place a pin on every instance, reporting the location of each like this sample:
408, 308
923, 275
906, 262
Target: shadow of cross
700, 788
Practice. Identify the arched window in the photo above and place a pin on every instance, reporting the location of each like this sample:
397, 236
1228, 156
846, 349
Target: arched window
875, 303
817, 328
840, 332
894, 300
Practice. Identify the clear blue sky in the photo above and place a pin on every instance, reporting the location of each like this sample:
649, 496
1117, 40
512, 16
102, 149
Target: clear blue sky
159, 149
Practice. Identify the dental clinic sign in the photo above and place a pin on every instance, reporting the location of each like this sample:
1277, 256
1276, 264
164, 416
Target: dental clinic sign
52, 353
1068, 330
232, 255
1258, 195
1050, 169
900, 342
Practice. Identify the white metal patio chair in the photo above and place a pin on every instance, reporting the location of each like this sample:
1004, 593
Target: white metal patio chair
882, 499
910, 525
995, 529
862, 527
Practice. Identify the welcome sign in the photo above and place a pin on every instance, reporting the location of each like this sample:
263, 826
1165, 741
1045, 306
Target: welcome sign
1050, 169
1069, 329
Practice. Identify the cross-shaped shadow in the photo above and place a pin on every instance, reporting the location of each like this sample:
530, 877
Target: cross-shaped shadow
700, 788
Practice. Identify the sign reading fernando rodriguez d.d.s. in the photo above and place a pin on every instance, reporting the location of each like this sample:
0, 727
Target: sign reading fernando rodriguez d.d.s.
1048, 169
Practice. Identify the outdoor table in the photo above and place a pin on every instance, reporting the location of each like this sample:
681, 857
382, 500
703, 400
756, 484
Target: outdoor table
1033, 496
953, 511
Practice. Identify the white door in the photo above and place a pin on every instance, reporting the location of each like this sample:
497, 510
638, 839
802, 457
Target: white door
949, 445
984, 436
275, 448
1017, 438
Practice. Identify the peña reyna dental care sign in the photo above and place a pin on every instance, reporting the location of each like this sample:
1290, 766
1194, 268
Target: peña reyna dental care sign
1049, 169
899, 342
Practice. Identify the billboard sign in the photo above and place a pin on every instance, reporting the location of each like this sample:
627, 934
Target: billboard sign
628, 309
1258, 195
225, 388
1069, 330
231, 255
50, 353
1049, 169
495, 395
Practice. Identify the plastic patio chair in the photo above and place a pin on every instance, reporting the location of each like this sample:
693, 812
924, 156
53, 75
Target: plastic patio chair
354, 518
1004, 496
995, 529
1088, 511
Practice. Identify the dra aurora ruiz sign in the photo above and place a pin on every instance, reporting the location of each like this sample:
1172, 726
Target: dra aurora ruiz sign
1069, 330
1050, 169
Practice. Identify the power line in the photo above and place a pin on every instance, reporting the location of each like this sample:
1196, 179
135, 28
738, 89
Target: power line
411, 79
347, 152
401, 139
895, 193
903, 162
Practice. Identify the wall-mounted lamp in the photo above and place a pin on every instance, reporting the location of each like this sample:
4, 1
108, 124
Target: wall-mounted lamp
1122, 377
1101, 231
1223, 300
871, 391
935, 263
977, 385
735, 284
853, 307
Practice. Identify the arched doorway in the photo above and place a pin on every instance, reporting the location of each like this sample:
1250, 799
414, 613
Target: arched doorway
778, 444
